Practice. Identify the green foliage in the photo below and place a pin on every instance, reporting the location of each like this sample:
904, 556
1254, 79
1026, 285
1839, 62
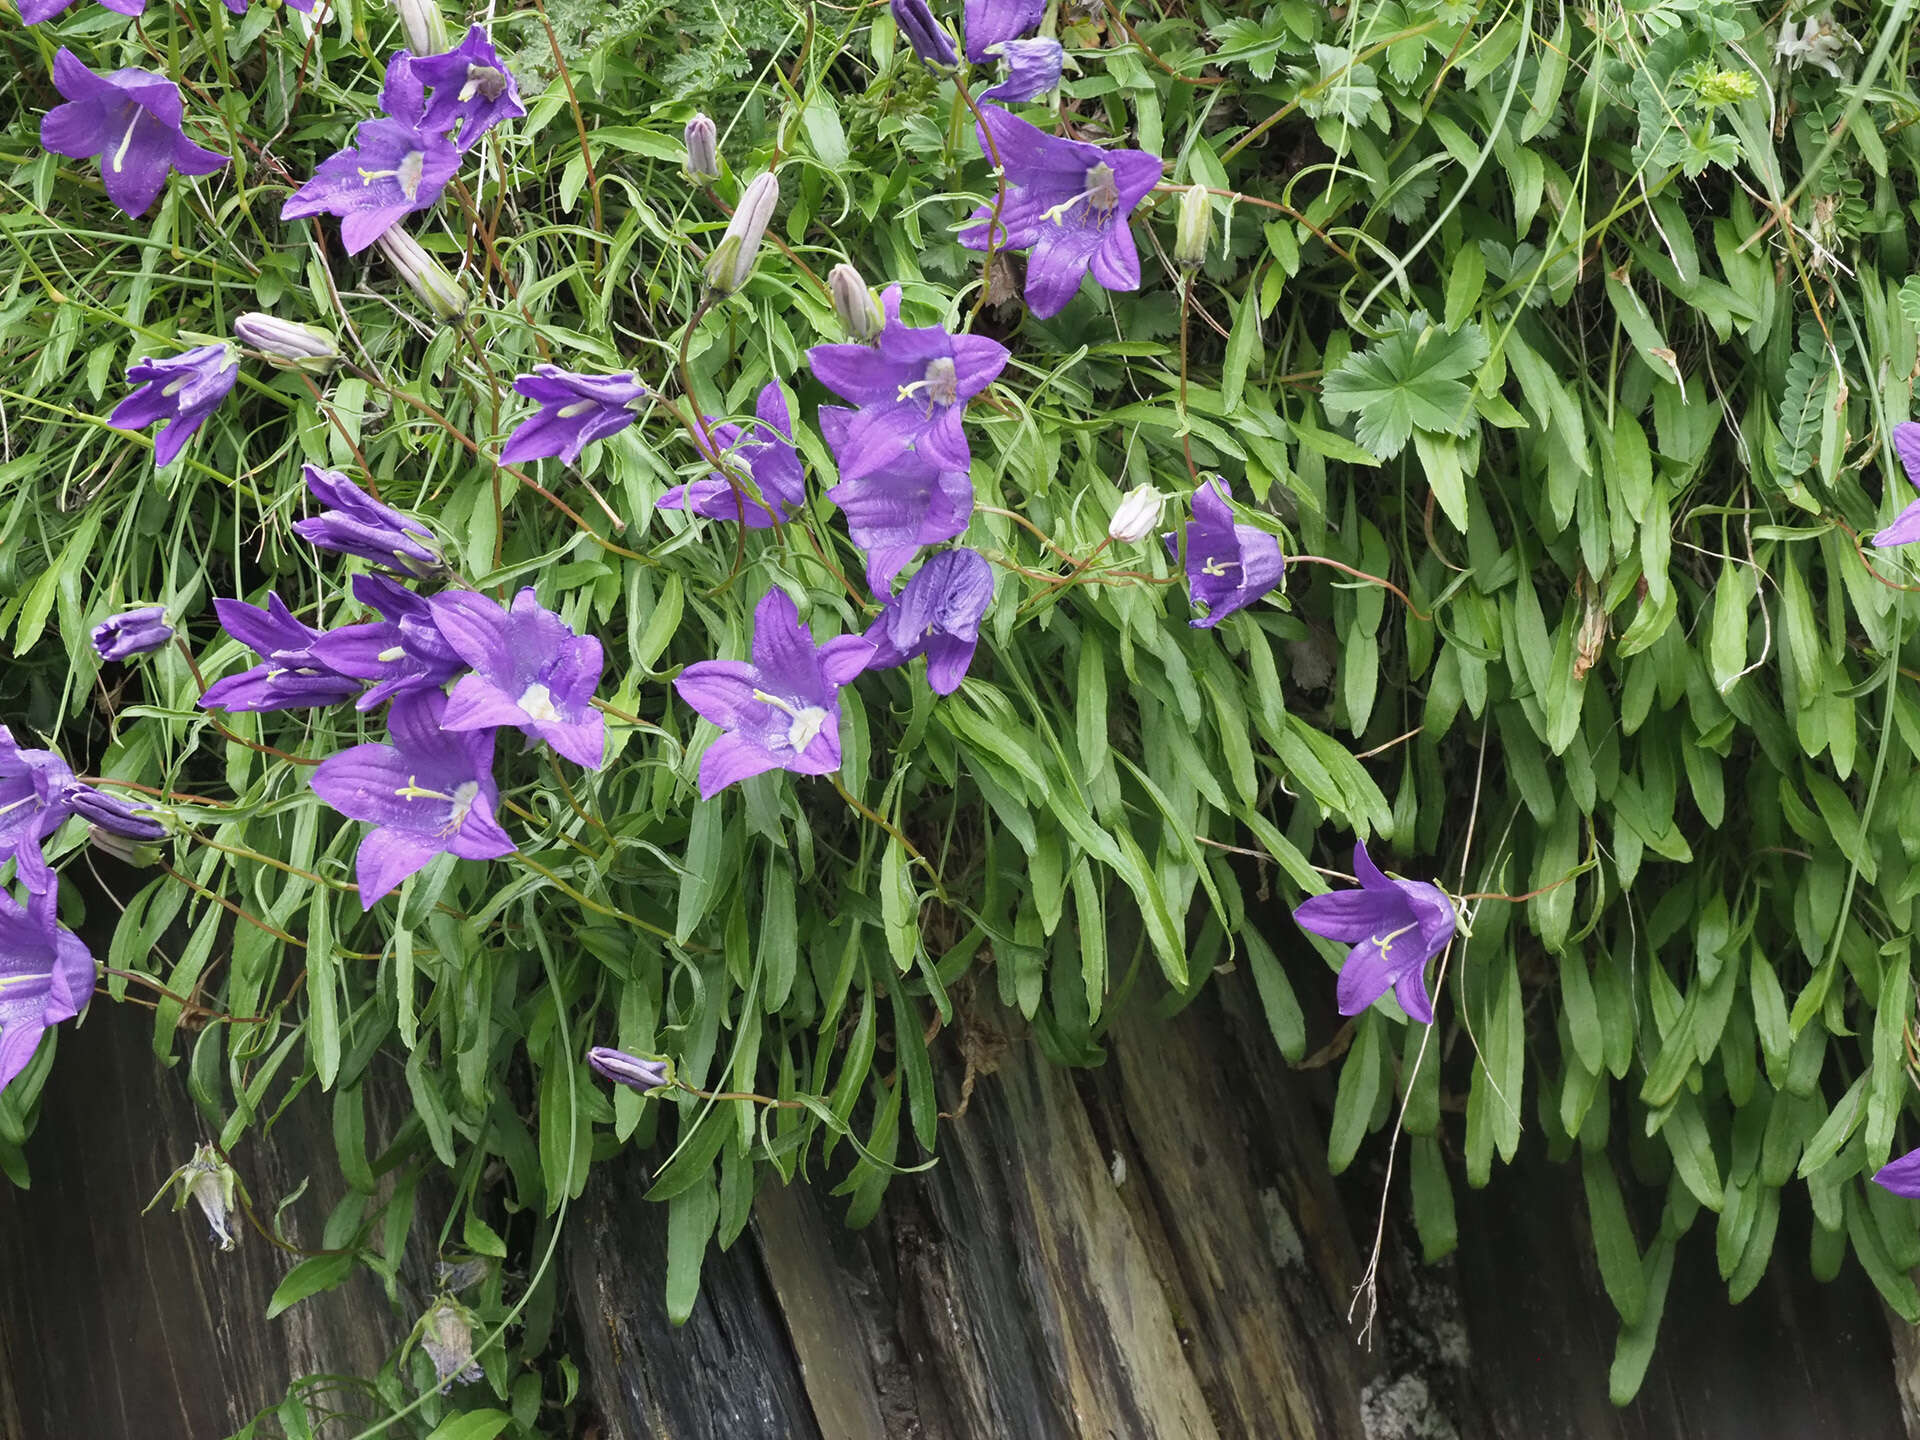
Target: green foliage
1590, 345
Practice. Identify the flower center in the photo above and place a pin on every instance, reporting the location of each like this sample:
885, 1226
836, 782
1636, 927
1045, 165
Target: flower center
1216, 566
575, 410
484, 81
1102, 194
803, 724
120, 155
391, 654
407, 174
464, 794
536, 702
941, 382
1385, 941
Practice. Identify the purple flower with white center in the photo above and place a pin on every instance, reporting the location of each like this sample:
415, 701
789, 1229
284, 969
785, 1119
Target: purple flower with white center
1901, 1175
430, 792
914, 20
629, 1070
1395, 927
402, 652
1229, 566
391, 170
354, 523
139, 631
1067, 204
1905, 528
991, 22
131, 120
912, 386
530, 672
180, 389
46, 976
1033, 68
937, 615
471, 90
769, 458
114, 815
893, 513
575, 410
36, 797
782, 711
292, 678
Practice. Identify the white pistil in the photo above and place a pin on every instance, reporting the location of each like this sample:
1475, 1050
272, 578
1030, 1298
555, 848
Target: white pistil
120, 155
1385, 942
483, 80
413, 790
805, 722
536, 703
408, 174
388, 656
941, 383
575, 410
1102, 196
1216, 566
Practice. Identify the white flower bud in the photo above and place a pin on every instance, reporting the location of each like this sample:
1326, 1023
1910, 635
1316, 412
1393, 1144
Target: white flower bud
424, 26
287, 343
732, 259
1137, 515
859, 313
1193, 229
429, 279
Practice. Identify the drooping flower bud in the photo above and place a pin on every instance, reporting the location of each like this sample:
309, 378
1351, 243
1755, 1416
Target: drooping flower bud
1193, 230
854, 304
209, 1182
629, 1070
132, 632
732, 259
427, 277
287, 343
1137, 515
703, 150
111, 814
424, 26
446, 1334
915, 21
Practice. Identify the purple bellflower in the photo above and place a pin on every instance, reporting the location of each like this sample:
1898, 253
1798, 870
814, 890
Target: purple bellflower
629, 1070
354, 523
937, 615
32, 12
912, 386
46, 976
990, 22
131, 120
1395, 926
782, 711
1901, 1175
36, 797
139, 631
892, 513
1229, 566
769, 458
575, 410
915, 22
114, 815
430, 792
292, 678
471, 90
391, 170
530, 672
1067, 204
180, 389
403, 651
1905, 528
1033, 68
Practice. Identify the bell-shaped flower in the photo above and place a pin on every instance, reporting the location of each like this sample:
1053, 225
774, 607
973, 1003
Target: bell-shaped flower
575, 410
530, 673
180, 389
629, 1070
131, 120
292, 677
782, 711
993, 22
429, 792
401, 652
36, 797
391, 170
32, 12
768, 457
46, 976
472, 90
1229, 566
139, 631
1395, 927
936, 615
1905, 528
1067, 204
893, 512
354, 523
1033, 68
912, 386
1137, 515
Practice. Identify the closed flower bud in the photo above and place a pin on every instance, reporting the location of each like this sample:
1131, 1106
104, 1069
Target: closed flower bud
209, 1182
703, 152
1193, 230
424, 25
287, 343
427, 277
915, 21
132, 632
853, 303
732, 259
1137, 515
629, 1070
110, 815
